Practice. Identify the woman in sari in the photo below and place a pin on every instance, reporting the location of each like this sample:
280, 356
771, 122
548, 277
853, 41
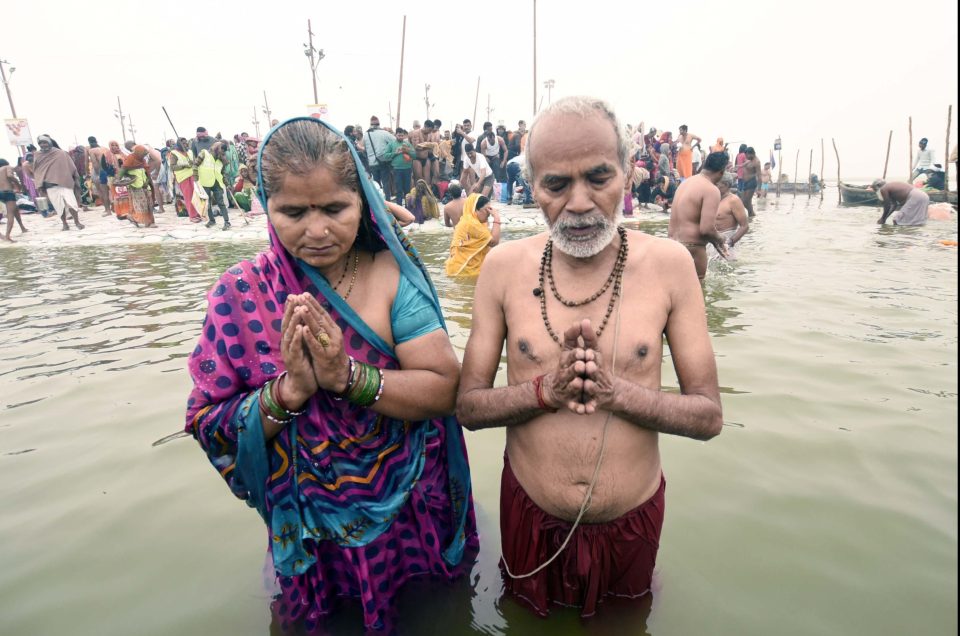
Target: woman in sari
422, 203
471, 238
133, 174
245, 193
322, 383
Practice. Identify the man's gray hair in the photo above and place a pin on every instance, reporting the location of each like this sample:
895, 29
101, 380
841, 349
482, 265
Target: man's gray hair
584, 107
729, 179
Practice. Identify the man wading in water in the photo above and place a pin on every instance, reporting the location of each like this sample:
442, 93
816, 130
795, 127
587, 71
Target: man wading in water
583, 310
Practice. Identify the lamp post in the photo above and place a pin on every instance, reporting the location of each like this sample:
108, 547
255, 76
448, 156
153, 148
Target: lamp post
549, 84
311, 52
6, 84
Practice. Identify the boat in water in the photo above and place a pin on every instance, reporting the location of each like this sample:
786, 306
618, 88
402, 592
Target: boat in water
863, 195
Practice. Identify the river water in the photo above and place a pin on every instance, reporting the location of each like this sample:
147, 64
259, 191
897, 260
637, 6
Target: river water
828, 505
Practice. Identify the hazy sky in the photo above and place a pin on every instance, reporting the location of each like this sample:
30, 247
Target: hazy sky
748, 71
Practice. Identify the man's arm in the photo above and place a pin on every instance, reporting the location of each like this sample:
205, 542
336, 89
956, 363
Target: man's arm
708, 220
889, 205
696, 412
479, 404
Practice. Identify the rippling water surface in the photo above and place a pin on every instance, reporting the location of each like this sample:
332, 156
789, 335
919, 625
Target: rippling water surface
827, 506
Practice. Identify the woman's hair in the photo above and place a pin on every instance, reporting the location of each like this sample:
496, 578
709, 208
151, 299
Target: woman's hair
302, 146
482, 202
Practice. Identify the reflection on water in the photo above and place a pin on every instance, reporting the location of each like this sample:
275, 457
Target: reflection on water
834, 483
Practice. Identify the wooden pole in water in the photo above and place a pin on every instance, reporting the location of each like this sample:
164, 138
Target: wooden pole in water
910, 129
946, 154
796, 174
403, 46
886, 161
823, 186
810, 172
779, 170
837, 152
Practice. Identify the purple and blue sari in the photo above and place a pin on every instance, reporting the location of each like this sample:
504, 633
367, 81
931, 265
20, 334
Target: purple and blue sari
355, 503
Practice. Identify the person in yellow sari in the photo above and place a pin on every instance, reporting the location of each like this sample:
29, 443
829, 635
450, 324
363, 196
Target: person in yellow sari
471, 238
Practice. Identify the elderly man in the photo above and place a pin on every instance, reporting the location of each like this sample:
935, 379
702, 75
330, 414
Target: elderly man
732, 220
57, 177
693, 217
583, 309
910, 204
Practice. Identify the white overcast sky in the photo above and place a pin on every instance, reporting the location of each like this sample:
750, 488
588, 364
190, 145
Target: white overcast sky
745, 70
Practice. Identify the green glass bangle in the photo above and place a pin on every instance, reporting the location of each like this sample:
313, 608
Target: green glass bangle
272, 408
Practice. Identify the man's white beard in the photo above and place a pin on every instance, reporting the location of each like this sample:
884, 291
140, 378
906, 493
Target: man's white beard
586, 246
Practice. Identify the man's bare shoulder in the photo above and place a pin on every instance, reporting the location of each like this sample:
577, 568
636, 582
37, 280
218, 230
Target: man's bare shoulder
662, 252
511, 254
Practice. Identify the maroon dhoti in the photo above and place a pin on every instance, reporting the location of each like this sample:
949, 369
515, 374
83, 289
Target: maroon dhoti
602, 559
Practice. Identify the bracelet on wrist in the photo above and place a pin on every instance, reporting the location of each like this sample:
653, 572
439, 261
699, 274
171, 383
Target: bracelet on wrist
538, 390
279, 400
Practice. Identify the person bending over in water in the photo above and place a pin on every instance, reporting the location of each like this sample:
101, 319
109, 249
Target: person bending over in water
909, 203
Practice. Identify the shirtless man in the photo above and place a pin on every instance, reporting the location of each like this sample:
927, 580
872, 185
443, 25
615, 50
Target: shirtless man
685, 156
751, 180
766, 178
154, 165
103, 165
453, 209
694, 212
422, 169
732, 221
572, 376
911, 204
9, 186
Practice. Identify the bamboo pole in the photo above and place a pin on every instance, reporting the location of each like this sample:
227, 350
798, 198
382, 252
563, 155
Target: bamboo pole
475, 100
779, 170
823, 186
810, 172
403, 46
910, 129
837, 152
796, 174
946, 153
534, 58
886, 161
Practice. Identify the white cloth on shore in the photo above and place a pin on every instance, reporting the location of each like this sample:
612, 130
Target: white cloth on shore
62, 198
914, 210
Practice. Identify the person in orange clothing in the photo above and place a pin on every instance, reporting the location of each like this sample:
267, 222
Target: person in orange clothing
685, 157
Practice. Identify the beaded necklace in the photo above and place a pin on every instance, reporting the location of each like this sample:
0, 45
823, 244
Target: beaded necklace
615, 279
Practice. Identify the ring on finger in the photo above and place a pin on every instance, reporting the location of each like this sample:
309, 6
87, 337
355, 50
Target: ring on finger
323, 339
